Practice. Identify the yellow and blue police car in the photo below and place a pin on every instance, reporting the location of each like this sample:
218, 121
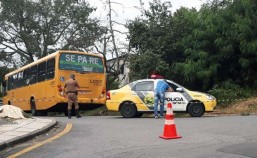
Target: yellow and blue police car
137, 98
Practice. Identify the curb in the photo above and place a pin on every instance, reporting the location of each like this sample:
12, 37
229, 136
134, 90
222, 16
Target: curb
26, 137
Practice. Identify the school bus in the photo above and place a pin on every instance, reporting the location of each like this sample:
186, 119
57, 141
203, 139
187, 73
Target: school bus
39, 86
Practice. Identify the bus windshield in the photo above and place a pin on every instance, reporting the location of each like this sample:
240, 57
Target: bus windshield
81, 63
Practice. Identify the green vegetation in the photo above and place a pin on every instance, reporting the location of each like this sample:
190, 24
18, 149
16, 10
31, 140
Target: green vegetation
228, 93
33, 29
198, 49
112, 83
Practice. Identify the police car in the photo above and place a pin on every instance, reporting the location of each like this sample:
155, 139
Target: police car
137, 98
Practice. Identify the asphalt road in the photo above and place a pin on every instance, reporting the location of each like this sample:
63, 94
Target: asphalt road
117, 137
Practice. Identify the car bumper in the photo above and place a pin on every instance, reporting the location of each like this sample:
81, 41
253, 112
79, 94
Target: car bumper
210, 105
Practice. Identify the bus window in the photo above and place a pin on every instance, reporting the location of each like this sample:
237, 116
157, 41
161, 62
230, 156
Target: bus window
14, 81
33, 75
4, 88
19, 79
41, 72
9, 83
26, 77
50, 68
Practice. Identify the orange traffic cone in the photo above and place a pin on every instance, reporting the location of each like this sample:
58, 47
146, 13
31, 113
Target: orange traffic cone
169, 127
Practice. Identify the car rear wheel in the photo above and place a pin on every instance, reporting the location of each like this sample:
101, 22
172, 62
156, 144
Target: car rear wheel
128, 110
196, 109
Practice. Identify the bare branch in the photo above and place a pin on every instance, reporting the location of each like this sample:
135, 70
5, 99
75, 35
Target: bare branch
98, 49
125, 33
118, 23
116, 3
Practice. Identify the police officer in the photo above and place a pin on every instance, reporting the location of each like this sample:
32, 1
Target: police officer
71, 86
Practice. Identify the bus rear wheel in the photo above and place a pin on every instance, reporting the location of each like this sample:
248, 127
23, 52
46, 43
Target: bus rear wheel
33, 107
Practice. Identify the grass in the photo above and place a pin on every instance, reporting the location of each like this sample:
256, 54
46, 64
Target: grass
243, 107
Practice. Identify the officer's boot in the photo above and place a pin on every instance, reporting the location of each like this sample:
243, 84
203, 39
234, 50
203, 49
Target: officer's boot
77, 113
69, 114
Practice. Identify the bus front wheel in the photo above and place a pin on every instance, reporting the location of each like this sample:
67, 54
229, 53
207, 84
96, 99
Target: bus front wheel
33, 107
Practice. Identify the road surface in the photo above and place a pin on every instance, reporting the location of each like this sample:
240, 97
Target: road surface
117, 137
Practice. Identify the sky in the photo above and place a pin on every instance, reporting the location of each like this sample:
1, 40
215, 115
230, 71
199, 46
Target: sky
128, 10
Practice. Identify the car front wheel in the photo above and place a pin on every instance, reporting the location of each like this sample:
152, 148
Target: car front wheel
196, 109
128, 110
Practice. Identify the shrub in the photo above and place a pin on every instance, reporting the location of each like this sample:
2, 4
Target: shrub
228, 93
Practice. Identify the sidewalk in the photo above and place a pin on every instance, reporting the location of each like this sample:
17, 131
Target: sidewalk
23, 130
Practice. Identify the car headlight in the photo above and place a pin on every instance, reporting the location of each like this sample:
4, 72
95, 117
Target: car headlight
209, 97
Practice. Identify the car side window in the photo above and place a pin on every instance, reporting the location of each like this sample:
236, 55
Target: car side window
174, 87
144, 86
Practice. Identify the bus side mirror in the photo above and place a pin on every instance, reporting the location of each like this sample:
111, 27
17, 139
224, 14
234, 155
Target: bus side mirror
179, 90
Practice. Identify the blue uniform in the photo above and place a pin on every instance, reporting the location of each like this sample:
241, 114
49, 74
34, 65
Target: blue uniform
159, 95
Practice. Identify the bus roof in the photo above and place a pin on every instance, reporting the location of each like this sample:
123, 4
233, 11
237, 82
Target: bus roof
52, 55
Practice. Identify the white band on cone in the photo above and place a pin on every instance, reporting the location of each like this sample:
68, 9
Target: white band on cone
169, 111
169, 122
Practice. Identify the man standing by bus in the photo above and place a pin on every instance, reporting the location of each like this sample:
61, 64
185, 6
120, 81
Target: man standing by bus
71, 86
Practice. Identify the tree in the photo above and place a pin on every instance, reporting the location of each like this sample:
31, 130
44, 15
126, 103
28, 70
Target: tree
150, 38
222, 45
159, 33
144, 64
33, 29
110, 44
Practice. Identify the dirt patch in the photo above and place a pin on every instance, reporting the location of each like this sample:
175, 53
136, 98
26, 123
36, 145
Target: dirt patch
243, 107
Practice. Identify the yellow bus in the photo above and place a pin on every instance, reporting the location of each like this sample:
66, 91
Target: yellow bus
38, 86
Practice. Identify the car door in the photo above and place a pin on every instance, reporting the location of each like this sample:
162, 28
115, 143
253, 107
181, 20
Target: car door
178, 97
144, 90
